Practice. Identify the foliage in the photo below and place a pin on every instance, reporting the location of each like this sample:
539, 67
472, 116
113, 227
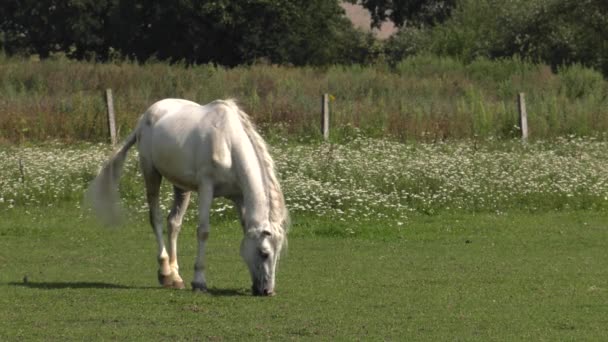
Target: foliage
407, 42
289, 32
45, 27
408, 12
559, 32
578, 81
224, 32
556, 32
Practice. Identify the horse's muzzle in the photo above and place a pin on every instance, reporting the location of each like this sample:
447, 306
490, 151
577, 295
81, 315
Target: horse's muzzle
262, 293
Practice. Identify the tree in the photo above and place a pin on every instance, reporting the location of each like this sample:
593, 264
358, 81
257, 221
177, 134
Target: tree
407, 12
561, 32
555, 32
228, 32
44, 27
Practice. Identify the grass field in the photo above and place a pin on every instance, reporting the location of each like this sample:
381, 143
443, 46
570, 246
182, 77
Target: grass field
459, 241
480, 277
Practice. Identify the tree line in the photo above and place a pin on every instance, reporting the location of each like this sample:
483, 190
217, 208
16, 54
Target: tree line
312, 32
221, 31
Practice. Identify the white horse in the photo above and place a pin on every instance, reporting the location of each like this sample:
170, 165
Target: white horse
216, 151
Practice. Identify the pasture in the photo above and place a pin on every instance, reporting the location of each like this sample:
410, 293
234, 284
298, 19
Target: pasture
459, 241
449, 277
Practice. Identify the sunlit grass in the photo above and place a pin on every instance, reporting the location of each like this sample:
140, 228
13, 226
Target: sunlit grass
473, 277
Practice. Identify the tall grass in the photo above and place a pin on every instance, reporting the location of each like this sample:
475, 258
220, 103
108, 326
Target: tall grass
421, 98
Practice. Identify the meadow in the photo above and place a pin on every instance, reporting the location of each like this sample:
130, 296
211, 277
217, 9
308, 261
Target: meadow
422, 98
421, 241
478, 277
362, 179
423, 218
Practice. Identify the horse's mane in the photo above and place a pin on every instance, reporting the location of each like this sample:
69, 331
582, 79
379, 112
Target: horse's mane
278, 214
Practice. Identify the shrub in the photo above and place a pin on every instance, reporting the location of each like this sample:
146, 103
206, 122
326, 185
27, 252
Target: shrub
578, 82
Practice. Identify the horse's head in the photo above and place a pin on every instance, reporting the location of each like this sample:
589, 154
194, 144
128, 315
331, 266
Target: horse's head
261, 249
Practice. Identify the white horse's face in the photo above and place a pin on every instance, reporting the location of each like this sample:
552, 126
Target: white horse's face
260, 250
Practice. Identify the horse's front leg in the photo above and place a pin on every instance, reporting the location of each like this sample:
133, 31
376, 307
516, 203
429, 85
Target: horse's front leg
205, 197
181, 199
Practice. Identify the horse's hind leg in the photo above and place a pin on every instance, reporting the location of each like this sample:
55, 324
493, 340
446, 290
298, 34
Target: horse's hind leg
174, 224
153, 180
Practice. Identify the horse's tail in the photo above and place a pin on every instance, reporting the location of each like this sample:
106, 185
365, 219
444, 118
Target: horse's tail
102, 195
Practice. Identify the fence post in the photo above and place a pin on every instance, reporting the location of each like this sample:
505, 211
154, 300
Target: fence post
21, 171
111, 116
523, 116
325, 116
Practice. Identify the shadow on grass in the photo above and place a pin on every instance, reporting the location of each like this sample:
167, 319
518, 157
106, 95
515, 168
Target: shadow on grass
228, 292
74, 285
100, 285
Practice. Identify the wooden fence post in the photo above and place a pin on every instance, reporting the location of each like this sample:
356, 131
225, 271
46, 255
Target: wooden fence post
523, 116
325, 116
21, 171
111, 116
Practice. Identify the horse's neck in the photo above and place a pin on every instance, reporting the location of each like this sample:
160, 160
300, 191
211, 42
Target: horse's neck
256, 206
254, 189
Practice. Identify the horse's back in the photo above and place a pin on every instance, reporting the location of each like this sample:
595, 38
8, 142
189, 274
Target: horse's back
185, 141
186, 116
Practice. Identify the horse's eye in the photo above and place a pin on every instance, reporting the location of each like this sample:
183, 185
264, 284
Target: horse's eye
264, 255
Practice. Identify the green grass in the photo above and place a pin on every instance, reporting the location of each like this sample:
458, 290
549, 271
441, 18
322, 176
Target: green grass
461, 241
514, 276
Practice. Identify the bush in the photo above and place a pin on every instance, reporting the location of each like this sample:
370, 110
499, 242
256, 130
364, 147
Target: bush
579, 82
407, 42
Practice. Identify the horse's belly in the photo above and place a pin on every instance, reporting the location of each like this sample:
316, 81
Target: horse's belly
224, 185
185, 183
189, 171
184, 177
226, 190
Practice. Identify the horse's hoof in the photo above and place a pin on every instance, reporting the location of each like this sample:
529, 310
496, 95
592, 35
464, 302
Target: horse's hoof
199, 288
178, 285
167, 281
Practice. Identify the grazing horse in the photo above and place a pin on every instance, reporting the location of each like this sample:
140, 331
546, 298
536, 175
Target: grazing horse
215, 150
